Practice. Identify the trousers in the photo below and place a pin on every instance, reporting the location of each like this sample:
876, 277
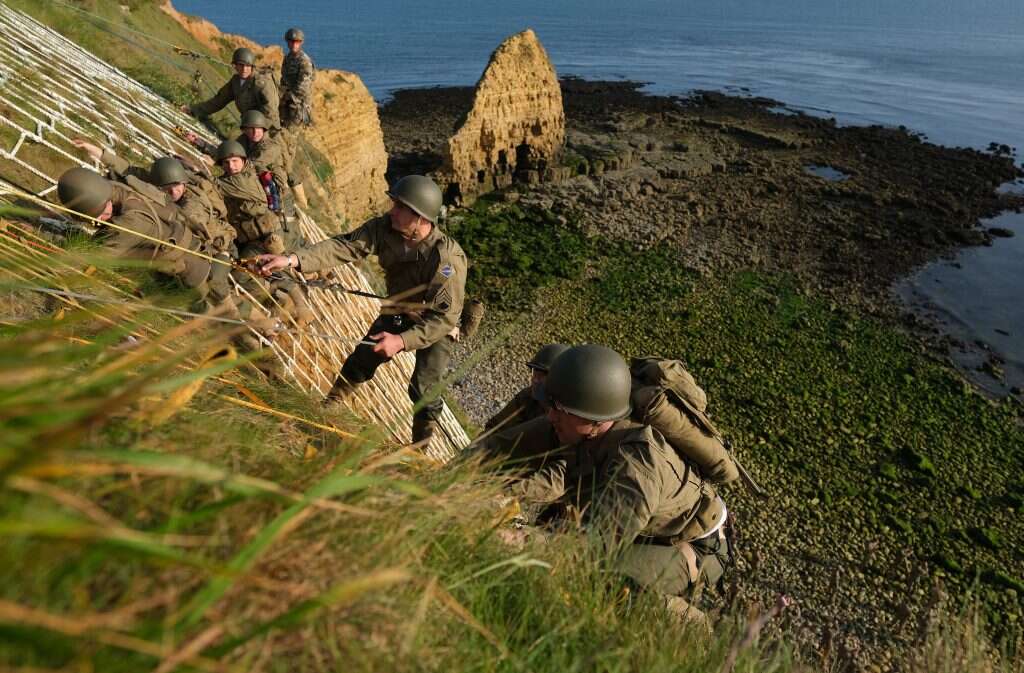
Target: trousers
431, 364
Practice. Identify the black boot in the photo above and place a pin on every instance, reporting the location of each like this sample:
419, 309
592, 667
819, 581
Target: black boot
423, 429
340, 391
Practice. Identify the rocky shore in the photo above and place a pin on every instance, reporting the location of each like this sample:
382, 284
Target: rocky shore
725, 187
733, 183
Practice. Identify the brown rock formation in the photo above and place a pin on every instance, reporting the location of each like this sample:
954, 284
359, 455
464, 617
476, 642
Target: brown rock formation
347, 133
516, 125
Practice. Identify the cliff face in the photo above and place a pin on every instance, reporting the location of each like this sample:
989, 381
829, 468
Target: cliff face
347, 131
516, 125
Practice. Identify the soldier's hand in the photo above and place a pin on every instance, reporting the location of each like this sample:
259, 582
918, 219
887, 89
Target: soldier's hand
191, 136
92, 150
268, 264
388, 345
185, 109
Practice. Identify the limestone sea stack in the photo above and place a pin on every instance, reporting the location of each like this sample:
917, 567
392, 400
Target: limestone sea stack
516, 124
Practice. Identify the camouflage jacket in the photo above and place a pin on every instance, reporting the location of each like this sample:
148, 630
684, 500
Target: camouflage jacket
253, 93
520, 409
297, 74
431, 273
142, 208
628, 485
246, 203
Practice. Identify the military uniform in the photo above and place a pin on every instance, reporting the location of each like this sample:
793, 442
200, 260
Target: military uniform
257, 92
257, 228
431, 272
520, 409
143, 208
297, 73
521, 449
269, 154
201, 206
642, 502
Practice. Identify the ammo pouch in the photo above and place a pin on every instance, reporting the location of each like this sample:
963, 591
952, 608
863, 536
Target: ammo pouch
472, 316
666, 397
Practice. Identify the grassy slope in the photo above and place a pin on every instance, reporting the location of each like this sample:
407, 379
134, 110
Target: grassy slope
125, 538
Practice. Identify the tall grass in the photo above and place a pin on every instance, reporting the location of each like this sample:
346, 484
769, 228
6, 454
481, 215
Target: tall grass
147, 523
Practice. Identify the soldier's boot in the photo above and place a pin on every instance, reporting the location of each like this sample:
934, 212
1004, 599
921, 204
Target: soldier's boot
686, 613
303, 314
300, 196
423, 429
339, 393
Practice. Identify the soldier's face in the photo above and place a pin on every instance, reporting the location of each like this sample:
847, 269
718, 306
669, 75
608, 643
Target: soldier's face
233, 165
570, 428
294, 46
405, 221
244, 70
536, 379
175, 190
254, 133
107, 213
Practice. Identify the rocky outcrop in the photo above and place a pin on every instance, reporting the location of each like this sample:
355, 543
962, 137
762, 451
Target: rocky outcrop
347, 163
516, 127
347, 132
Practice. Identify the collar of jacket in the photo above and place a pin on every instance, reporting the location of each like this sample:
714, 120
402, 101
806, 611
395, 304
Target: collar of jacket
423, 246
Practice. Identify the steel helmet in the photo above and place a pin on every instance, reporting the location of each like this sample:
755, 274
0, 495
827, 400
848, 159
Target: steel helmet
230, 148
254, 119
591, 382
167, 171
294, 35
243, 55
543, 358
84, 191
419, 193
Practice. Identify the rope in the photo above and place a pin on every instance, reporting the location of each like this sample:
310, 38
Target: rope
173, 311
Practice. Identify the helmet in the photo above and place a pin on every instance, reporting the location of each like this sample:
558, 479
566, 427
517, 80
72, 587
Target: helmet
167, 171
419, 193
254, 119
591, 382
84, 191
243, 55
545, 356
294, 35
230, 148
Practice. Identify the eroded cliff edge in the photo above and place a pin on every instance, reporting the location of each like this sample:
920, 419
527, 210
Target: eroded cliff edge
347, 132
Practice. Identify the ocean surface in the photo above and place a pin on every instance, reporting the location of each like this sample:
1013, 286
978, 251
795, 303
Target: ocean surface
950, 69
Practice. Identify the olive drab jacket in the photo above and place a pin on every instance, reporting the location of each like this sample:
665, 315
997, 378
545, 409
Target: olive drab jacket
257, 92
520, 409
628, 485
246, 202
431, 272
142, 208
272, 153
206, 214
297, 73
202, 208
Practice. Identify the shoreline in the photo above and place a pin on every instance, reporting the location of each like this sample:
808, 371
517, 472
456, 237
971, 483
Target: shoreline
706, 168
712, 242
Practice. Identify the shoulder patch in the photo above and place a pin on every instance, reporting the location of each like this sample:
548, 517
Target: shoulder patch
447, 271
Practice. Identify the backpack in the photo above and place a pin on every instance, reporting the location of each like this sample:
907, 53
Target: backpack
666, 397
